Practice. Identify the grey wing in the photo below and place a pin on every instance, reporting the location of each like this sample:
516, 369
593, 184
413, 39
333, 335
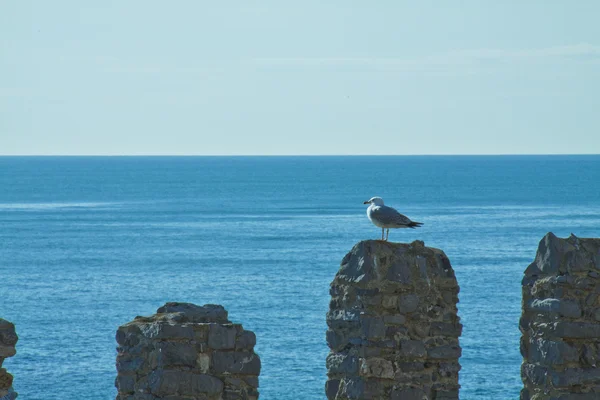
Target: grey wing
389, 216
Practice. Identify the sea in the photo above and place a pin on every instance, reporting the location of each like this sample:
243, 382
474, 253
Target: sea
88, 243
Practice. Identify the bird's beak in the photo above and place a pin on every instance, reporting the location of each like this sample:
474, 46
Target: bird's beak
366, 202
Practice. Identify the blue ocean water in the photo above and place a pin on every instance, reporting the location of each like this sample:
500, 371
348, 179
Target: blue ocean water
88, 243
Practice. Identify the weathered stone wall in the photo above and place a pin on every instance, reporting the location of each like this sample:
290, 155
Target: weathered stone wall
186, 352
8, 340
393, 324
561, 321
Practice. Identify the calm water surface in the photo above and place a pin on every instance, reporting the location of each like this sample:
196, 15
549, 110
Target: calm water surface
88, 243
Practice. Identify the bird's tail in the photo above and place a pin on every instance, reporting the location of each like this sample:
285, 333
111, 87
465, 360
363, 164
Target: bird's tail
414, 224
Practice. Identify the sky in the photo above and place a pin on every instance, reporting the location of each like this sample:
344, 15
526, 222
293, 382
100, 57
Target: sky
302, 77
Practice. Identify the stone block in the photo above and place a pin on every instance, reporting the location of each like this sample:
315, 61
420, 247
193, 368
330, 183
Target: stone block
358, 389
422, 380
331, 388
203, 362
565, 308
7, 351
560, 325
390, 302
408, 303
193, 313
589, 355
128, 335
127, 363
6, 379
371, 301
535, 374
376, 368
221, 337
343, 319
574, 377
579, 330
397, 319
446, 368
549, 254
451, 394
445, 329
125, 383
185, 383
372, 327
8, 339
170, 354
8, 334
548, 352
201, 333
244, 363
167, 356
412, 348
419, 330
399, 271
251, 381
414, 366
166, 330
336, 340
409, 393
358, 268
444, 352
351, 389
342, 363
246, 340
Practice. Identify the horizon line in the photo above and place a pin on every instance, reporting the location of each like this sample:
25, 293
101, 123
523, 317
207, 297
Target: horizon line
305, 155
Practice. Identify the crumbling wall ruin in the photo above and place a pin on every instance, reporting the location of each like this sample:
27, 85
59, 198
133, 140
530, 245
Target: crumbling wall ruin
186, 352
8, 340
393, 324
560, 323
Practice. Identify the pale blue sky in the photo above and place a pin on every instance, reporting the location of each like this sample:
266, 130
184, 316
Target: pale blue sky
302, 77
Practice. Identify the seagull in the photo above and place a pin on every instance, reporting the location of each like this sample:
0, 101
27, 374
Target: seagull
387, 217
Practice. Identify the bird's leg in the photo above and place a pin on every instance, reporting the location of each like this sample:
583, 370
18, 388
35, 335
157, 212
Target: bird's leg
381, 233
387, 234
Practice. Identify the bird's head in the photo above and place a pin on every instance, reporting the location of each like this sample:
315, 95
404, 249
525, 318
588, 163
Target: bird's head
378, 201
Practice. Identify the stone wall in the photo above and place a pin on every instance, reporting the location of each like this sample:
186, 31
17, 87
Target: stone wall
393, 324
560, 323
186, 352
8, 340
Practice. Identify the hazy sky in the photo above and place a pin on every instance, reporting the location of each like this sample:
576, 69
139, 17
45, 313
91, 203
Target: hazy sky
299, 77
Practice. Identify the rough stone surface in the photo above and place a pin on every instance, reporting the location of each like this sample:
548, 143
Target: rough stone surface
560, 326
393, 324
186, 352
8, 340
